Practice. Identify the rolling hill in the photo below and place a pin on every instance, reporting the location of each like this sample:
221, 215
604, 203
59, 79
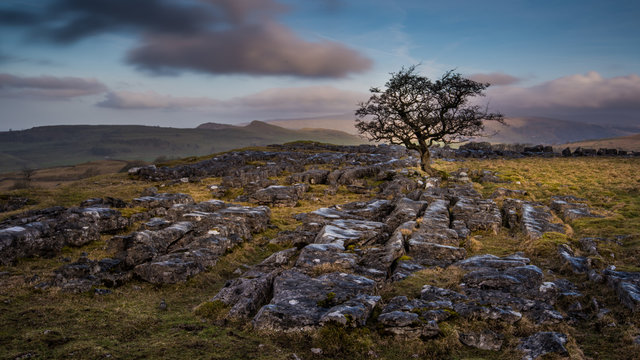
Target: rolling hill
49, 146
629, 143
524, 130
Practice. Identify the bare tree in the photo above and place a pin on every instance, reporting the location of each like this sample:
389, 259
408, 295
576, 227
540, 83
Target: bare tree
416, 112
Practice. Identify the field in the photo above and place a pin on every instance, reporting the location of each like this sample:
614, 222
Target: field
50, 146
128, 323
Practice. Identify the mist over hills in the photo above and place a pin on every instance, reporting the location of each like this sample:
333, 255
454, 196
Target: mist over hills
524, 130
48, 146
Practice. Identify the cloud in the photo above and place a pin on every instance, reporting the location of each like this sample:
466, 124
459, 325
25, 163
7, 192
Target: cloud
311, 99
49, 87
211, 36
590, 90
153, 100
303, 100
495, 79
265, 49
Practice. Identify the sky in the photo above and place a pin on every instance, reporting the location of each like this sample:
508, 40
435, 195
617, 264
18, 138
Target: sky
181, 63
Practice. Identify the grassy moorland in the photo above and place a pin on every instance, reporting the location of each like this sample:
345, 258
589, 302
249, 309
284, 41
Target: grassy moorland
49, 146
128, 323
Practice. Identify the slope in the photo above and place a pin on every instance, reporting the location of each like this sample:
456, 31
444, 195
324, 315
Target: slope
66, 145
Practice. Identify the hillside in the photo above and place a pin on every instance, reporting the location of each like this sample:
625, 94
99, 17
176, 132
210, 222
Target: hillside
49, 146
537, 130
355, 253
521, 130
629, 143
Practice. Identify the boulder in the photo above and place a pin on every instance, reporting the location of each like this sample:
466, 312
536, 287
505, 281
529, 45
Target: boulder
477, 214
313, 176
577, 264
485, 340
315, 255
176, 267
570, 208
300, 302
165, 200
431, 254
492, 261
542, 343
407, 325
405, 210
627, 287
279, 196
352, 232
533, 219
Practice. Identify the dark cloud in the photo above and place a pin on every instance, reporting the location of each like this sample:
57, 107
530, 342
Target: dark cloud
48, 87
212, 36
495, 79
265, 49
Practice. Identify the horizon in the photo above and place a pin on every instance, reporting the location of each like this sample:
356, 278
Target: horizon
181, 63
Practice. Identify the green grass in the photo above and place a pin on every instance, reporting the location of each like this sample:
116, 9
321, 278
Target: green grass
49, 146
129, 324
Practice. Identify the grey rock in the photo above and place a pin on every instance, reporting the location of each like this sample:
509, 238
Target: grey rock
407, 325
353, 312
279, 196
434, 293
532, 219
165, 200
492, 261
477, 214
405, 210
577, 264
299, 301
313, 176
570, 208
431, 254
176, 267
543, 343
485, 340
487, 312
246, 295
314, 255
504, 193
351, 232
627, 287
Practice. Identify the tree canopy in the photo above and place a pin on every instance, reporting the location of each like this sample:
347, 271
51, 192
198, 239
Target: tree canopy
417, 112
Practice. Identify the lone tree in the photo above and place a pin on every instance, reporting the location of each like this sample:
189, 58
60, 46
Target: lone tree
416, 112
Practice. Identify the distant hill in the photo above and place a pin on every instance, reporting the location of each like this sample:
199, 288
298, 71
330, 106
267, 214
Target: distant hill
524, 130
536, 130
49, 146
215, 126
629, 143
342, 122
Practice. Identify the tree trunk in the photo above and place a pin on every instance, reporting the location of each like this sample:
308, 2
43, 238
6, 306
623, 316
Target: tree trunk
425, 161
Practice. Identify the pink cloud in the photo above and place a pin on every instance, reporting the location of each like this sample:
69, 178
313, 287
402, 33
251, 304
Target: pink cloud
310, 100
153, 100
495, 79
49, 87
264, 49
589, 90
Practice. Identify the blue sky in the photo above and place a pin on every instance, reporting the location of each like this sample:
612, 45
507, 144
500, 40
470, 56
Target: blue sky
183, 62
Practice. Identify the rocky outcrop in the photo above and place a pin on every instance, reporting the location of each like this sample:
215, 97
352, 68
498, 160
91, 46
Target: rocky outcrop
301, 302
277, 195
543, 343
570, 208
626, 286
533, 219
46, 232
